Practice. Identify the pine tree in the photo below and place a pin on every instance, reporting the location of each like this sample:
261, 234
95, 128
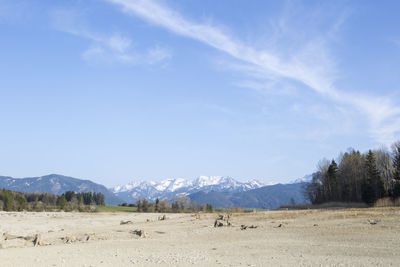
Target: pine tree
61, 202
21, 201
7, 200
373, 187
332, 181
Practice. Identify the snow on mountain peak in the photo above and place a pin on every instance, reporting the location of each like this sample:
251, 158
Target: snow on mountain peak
172, 184
170, 187
202, 181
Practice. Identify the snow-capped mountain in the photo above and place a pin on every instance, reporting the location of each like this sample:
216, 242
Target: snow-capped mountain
306, 179
169, 188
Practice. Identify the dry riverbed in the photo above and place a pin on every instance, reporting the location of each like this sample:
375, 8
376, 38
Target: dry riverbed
353, 237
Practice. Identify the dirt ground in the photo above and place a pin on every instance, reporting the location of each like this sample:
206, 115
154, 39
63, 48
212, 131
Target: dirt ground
352, 237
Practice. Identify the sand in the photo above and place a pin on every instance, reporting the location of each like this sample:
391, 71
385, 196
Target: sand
354, 237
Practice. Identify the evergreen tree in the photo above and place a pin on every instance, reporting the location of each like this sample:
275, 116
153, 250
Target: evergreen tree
373, 187
7, 200
61, 202
100, 199
368, 193
332, 181
21, 202
69, 195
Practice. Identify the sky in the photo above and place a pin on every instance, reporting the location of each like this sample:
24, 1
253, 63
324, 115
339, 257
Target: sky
120, 90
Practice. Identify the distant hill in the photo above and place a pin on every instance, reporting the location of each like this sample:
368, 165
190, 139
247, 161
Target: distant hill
56, 184
267, 197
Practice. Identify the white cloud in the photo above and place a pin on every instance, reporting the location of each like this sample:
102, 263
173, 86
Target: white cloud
105, 48
311, 64
157, 54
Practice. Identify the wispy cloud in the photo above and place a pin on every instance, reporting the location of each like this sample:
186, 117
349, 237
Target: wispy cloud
311, 64
105, 48
158, 54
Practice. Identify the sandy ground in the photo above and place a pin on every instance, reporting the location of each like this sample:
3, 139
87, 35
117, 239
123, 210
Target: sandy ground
355, 237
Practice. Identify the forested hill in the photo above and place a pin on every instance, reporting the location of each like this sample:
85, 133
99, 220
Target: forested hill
267, 197
56, 184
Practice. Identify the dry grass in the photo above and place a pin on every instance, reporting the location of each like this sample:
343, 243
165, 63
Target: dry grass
387, 202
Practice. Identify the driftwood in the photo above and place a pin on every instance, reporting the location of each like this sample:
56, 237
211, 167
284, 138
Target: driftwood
36, 239
125, 222
244, 227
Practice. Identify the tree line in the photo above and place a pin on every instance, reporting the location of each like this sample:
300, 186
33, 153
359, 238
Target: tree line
181, 203
357, 177
18, 201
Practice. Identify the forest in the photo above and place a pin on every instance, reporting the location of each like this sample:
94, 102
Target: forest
357, 177
69, 201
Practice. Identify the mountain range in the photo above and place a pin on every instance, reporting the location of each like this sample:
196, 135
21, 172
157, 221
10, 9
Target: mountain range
169, 188
219, 191
267, 197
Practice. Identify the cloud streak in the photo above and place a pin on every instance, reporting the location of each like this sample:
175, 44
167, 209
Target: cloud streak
311, 65
105, 48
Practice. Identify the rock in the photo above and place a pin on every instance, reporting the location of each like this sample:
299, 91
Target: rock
225, 217
90, 237
125, 222
70, 239
372, 222
140, 233
218, 223
162, 218
38, 240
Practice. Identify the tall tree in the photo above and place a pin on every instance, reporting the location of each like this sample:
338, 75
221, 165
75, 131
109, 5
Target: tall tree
396, 165
332, 181
384, 163
373, 187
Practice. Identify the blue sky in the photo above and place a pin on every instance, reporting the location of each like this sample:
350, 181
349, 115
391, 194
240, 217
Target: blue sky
119, 90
